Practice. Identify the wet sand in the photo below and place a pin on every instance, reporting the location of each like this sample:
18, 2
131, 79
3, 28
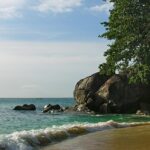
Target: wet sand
133, 138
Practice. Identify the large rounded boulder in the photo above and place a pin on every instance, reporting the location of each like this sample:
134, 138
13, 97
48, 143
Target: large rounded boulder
85, 91
123, 97
25, 107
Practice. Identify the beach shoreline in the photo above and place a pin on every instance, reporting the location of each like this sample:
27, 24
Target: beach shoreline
131, 138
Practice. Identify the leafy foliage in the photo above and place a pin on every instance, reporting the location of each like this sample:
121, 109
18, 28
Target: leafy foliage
129, 29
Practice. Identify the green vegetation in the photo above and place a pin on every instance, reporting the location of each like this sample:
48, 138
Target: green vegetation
129, 29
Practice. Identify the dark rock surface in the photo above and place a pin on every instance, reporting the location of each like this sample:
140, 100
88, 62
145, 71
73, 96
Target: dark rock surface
103, 94
49, 108
25, 107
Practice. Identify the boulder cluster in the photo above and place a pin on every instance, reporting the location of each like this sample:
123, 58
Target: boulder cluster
111, 94
48, 108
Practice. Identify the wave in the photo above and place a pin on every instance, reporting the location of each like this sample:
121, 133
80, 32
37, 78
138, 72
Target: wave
31, 140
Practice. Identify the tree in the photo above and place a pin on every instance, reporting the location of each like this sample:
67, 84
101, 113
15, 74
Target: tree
129, 29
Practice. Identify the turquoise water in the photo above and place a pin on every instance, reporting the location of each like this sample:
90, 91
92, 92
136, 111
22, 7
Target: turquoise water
11, 120
20, 123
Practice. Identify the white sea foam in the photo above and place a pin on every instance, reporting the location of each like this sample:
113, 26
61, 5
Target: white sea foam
30, 140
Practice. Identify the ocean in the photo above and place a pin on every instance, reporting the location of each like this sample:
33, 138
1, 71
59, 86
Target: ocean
29, 130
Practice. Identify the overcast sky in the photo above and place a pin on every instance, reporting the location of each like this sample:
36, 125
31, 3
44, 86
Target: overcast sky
46, 46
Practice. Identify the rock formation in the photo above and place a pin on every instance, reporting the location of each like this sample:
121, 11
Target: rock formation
25, 107
52, 108
111, 94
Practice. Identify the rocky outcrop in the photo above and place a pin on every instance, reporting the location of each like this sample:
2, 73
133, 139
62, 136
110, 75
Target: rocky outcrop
86, 88
104, 94
25, 107
52, 108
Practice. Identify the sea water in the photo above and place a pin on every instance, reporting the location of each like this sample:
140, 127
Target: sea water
28, 130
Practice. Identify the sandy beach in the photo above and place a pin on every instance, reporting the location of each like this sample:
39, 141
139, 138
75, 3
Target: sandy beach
133, 138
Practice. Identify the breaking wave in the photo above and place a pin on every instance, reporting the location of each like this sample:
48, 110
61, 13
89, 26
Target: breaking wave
31, 140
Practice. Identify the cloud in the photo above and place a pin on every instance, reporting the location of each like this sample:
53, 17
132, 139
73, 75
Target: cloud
57, 6
41, 69
11, 8
15, 8
103, 7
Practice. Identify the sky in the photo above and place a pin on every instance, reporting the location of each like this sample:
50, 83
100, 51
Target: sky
46, 46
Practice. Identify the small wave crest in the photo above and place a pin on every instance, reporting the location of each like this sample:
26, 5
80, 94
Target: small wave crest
31, 140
